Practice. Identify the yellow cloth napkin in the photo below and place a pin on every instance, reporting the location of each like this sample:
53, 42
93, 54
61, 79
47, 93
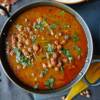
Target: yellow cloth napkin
92, 75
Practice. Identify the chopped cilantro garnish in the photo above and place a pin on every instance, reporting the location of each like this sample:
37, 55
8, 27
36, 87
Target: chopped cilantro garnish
50, 83
66, 26
78, 49
33, 38
21, 58
53, 26
50, 48
62, 13
67, 53
75, 37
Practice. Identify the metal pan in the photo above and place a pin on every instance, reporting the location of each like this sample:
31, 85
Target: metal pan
5, 64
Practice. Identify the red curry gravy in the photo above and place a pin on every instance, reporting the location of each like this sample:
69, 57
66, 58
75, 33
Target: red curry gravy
46, 47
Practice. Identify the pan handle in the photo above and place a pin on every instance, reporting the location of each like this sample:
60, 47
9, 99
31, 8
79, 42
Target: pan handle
96, 59
5, 10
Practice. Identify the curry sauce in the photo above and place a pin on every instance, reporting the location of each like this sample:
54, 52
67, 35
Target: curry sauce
46, 47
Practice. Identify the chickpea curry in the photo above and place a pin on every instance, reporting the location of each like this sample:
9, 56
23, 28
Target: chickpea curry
46, 47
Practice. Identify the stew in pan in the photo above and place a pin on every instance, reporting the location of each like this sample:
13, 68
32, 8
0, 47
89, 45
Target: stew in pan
46, 47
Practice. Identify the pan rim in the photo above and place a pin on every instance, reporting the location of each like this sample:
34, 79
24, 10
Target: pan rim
90, 45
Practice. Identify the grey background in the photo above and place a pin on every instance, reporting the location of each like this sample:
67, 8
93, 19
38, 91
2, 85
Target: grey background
91, 14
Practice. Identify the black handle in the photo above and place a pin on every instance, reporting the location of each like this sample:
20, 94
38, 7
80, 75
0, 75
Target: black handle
5, 10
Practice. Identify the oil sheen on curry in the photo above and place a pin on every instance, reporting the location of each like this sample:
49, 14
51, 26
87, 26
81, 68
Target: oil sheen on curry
46, 47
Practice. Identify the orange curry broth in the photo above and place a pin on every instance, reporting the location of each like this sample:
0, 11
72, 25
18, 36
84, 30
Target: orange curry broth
56, 16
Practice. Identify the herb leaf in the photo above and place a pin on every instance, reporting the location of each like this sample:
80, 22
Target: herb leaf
21, 58
53, 26
44, 72
78, 49
75, 37
50, 82
66, 26
33, 38
39, 26
67, 53
62, 13
50, 48
62, 69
